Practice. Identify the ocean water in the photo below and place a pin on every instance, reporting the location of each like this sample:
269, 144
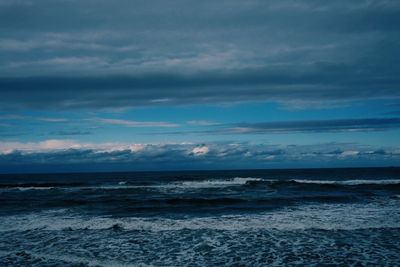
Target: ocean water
319, 217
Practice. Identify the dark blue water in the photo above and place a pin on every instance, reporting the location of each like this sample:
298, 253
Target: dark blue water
234, 218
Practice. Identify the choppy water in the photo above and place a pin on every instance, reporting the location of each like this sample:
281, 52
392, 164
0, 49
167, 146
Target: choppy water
234, 218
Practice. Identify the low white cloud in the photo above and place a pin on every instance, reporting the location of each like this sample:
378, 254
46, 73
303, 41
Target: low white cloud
199, 151
33, 147
58, 144
183, 154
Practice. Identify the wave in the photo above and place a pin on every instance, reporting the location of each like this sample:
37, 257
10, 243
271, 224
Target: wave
41, 185
231, 202
237, 181
350, 182
34, 188
306, 184
321, 216
203, 184
252, 181
211, 183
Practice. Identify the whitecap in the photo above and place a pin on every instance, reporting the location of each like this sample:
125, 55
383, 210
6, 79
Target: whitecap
237, 181
378, 214
34, 188
349, 182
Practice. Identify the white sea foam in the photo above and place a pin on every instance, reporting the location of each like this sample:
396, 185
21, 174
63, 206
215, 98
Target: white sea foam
385, 214
237, 181
212, 183
349, 182
34, 188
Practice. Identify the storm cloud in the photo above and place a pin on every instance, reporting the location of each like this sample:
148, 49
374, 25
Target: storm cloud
98, 54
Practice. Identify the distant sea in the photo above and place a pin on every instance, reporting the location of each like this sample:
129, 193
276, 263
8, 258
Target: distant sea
308, 217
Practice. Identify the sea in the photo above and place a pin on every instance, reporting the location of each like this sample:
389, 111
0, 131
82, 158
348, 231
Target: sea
302, 217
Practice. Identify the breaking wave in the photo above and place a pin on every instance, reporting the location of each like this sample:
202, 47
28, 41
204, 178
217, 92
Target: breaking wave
350, 182
200, 184
321, 216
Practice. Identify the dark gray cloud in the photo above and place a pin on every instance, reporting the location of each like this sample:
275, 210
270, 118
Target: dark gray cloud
305, 126
319, 82
321, 126
134, 53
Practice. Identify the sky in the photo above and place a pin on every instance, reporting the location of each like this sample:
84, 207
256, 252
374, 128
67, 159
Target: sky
180, 85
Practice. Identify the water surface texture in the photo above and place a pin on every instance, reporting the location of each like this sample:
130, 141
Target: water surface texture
234, 218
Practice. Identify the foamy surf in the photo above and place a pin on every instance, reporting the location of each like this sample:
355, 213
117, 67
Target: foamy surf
211, 183
348, 182
34, 188
322, 216
202, 219
237, 181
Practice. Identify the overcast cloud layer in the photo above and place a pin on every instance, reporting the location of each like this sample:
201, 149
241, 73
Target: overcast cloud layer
82, 54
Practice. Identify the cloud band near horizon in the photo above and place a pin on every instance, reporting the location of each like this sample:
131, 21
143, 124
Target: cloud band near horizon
188, 155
